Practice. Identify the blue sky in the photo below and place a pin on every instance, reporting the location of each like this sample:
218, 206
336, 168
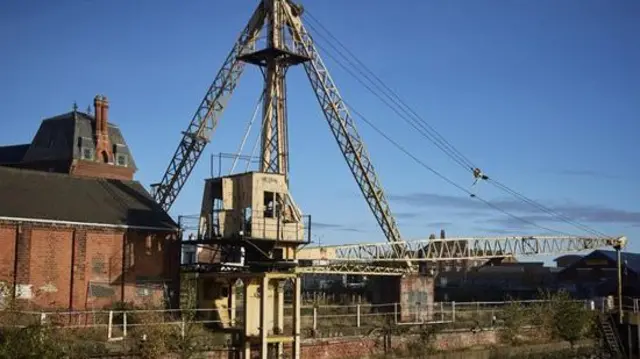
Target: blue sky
542, 95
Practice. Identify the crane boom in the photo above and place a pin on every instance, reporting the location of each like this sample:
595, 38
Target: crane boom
344, 130
205, 120
362, 258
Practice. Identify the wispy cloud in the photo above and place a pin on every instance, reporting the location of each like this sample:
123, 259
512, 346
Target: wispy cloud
504, 231
442, 225
334, 227
406, 215
474, 209
588, 173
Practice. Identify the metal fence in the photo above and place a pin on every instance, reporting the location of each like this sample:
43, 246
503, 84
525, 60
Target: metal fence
316, 321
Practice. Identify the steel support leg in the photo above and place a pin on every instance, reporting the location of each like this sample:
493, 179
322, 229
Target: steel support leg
297, 282
264, 308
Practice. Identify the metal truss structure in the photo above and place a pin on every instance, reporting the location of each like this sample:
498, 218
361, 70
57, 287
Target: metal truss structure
271, 256
281, 16
379, 258
206, 118
344, 130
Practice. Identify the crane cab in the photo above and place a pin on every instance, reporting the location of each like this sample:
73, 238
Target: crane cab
253, 215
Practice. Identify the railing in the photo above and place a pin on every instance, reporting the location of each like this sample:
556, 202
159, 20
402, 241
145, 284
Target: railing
631, 304
324, 320
268, 224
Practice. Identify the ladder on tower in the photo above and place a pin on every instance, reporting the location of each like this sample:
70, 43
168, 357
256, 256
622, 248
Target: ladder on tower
610, 336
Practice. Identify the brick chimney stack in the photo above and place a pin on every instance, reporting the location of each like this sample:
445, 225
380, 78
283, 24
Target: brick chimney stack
104, 152
105, 116
97, 106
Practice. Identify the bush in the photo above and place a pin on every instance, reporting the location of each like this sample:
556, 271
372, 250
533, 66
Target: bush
422, 346
514, 319
565, 318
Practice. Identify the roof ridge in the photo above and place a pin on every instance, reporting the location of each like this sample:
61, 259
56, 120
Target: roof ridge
17, 145
64, 116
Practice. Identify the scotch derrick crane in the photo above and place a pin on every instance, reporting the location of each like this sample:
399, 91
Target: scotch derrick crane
274, 156
282, 16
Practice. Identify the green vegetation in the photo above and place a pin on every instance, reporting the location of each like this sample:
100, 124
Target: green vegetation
515, 316
27, 337
571, 320
152, 333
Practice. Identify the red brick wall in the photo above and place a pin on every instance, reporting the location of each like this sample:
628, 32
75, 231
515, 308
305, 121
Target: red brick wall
50, 266
103, 268
373, 347
66, 265
7, 254
101, 170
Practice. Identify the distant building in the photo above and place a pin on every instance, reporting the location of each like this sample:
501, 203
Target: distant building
567, 260
591, 276
522, 280
596, 275
76, 231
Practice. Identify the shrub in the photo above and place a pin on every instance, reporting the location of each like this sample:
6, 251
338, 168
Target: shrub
514, 317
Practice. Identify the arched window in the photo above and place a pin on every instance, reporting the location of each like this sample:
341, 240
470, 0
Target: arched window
105, 157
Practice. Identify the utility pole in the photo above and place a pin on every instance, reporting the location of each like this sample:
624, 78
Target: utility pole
619, 255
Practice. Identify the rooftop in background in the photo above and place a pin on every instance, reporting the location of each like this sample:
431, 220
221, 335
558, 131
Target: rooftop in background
629, 260
76, 143
567, 260
599, 259
36, 195
10, 155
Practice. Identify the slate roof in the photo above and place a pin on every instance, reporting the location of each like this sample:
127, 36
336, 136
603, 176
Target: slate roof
630, 260
12, 154
63, 137
55, 196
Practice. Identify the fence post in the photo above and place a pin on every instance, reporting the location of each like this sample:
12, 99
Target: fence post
453, 311
358, 316
124, 324
315, 319
395, 312
43, 318
182, 325
493, 314
442, 312
110, 326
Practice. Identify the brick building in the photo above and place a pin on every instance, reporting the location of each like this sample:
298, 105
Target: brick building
75, 143
76, 231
